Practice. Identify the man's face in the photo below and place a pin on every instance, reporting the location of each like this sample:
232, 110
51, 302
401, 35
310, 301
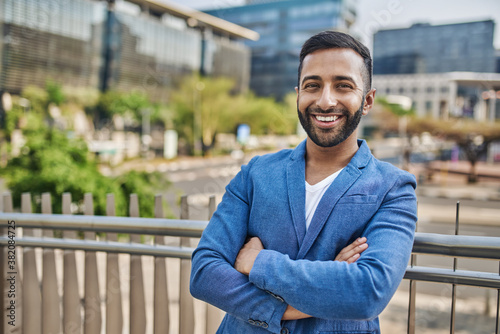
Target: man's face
330, 98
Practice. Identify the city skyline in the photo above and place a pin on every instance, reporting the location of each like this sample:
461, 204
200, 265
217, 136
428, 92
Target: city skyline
374, 15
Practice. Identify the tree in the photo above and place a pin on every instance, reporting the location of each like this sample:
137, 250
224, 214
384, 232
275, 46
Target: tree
118, 103
205, 106
51, 162
201, 105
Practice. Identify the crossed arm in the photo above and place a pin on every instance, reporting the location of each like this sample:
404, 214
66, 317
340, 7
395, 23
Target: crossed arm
248, 253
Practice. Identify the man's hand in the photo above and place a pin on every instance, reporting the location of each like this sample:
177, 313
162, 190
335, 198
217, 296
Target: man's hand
352, 252
247, 255
348, 254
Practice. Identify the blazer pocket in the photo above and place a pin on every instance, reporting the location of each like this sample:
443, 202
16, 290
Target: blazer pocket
358, 199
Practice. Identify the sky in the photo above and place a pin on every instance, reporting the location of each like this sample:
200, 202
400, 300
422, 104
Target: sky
386, 14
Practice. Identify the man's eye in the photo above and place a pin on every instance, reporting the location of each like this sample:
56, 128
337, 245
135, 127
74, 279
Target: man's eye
344, 86
311, 85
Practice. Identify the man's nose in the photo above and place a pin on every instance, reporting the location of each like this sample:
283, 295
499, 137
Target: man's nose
328, 99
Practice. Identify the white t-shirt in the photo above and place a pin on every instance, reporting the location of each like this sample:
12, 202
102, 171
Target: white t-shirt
314, 194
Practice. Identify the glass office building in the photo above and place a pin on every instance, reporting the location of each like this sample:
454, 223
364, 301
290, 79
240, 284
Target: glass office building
284, 25
425, 48
47, 40
127, 46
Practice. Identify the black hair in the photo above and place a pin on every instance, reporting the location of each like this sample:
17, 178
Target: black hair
340, 40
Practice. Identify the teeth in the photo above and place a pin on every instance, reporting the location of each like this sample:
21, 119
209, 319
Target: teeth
327, 118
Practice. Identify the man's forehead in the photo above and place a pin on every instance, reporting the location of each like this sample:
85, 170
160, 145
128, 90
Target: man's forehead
334, 59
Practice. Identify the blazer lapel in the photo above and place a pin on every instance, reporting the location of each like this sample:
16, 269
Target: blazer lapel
337, 189
296, 175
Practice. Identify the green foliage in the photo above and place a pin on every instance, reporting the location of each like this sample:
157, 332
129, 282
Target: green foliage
12, 120
145, 186
81, 96
206, 106
54, 93
395, 108
38, 98
50, 162
266, 116
114, 102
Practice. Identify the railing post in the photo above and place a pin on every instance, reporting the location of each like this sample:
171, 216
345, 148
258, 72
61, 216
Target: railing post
72, 322
10, 279
186, 307
453, 286
412, 308
497, 325
51, 312
137, 305
92, 305
32, 297
114, 312
161, 304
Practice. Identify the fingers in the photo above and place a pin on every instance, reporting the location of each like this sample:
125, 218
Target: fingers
247, 255
353, 251
254, 243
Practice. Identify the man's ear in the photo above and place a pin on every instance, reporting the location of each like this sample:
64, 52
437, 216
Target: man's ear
297, 91
369, 101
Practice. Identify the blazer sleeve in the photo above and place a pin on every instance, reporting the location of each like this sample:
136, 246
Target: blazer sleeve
213, 277
357, 291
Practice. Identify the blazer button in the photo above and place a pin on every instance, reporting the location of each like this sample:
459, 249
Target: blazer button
284, 330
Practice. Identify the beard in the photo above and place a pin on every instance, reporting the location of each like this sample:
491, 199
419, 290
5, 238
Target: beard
330, 137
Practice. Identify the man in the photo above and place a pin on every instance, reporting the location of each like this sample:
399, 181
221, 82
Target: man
270, 255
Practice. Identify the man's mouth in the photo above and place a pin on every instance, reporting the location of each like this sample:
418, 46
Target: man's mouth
326, 118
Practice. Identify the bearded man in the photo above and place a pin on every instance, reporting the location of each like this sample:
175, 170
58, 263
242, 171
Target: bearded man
287, 248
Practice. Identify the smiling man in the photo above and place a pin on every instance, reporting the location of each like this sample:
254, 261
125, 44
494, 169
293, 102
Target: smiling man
286, 251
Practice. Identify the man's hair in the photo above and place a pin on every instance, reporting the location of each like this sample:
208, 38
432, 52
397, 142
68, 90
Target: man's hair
339, 40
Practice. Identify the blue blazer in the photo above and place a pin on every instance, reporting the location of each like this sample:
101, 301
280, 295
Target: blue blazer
267, 199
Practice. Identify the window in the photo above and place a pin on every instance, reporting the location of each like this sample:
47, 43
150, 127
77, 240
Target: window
428, 107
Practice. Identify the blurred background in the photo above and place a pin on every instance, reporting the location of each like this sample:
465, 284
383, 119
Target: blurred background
171, 97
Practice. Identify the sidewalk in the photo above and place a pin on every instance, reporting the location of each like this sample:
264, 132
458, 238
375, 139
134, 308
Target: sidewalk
449, 180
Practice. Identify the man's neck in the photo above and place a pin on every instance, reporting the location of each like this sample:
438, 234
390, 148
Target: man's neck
324, 161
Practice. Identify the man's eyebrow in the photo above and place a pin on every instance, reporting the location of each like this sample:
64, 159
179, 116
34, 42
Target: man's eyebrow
344, 78
311, 77
335, 78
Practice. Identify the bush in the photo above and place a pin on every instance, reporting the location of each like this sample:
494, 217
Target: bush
50, 162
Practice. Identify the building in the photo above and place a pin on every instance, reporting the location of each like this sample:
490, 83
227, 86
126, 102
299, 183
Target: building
127, 45
443, 95
446, 70
284, 25
425, 48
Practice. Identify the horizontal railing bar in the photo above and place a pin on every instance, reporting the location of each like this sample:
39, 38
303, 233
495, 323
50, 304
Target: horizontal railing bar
154, 226
103, 246
458, 277
425, 243
436, 275
457, 245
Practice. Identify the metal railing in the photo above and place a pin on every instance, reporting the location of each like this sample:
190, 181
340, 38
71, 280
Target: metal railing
37, 310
